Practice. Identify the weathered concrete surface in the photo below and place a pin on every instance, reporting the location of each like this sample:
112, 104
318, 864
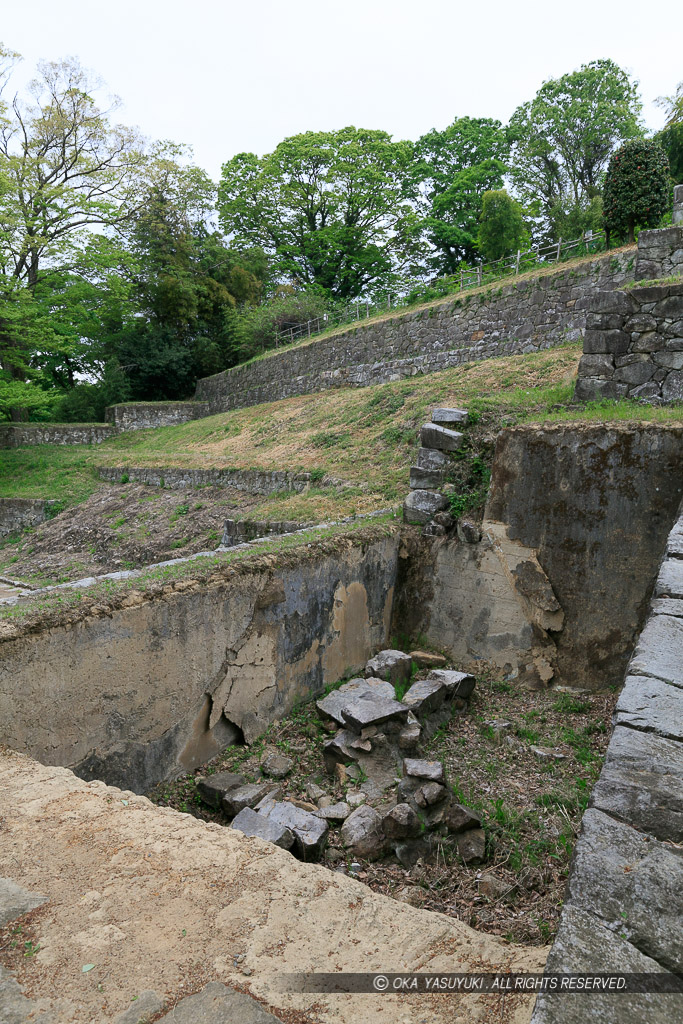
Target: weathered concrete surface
149, 690
146, 894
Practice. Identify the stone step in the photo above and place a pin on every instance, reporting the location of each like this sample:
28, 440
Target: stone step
420, 506
441, 438
425, 479
450, 417
429, 458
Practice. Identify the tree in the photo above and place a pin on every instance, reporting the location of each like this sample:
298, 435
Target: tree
636, 188
454, 169
501, 229
329, 208
562, 139
671, 136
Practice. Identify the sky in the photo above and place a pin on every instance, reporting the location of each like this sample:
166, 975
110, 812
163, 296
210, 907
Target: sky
228, 77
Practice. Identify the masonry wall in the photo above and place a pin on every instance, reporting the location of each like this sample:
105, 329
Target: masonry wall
519, 317
17, 435
147, 415
254, 481
161, 684
660, 252
18, 514
633, 345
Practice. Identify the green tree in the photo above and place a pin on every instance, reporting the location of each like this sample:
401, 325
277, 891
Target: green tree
671, 136
637, 190
561, 140
501, 228
330, 209
454, 168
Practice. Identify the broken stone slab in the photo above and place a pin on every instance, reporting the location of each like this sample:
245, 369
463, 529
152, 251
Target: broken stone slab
472, 845
15, 900
362, 713
670, 580
331, 705
309, 830
260, 826
401, 822
425, 659
393, 666
362, 833
652, 706
632, 883
458, 818
425, 479
431, 771
212, 788
334, 812
546, 754
277, 766
460, 684
266, 804
426, 696
441, 438
345, 747
420, 506
450, 417
641, 783
581, 943
244, 796
217, 1004
659, 651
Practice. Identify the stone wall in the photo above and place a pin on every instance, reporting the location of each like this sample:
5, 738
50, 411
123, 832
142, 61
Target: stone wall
633, 345
557, 587
236, 531
522, 316
147, 415
161, 684
254, 481
17, 514
622, 908
17, 435
660, 253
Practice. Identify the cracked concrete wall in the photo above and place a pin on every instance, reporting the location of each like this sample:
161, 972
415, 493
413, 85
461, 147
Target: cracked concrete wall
557, 589
161, 685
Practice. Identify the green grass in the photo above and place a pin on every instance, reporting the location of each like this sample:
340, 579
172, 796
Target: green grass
48, 471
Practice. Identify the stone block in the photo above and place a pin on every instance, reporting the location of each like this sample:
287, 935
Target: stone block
331, 705
450, 417
430, 771
425, 479
659, 651
459, 818
260, 826
672, 388
611, 302
602, 342
334, 812
401, 822
635, 374
441, 438
670, 579
426, 659
652, 706
362, 833
460, 684
590, 388
420, 506
393, 666
671, 360
599, 366
429, 458
426, 696
472, 845
362, 713
277, 766
309, 830
244, 796
212, 788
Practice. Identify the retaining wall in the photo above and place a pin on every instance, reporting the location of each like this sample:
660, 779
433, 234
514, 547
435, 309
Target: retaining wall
147, 415
633, 345
532, 314
622, 909
660, 252
236, 531
17, 514
18, 435
254, 481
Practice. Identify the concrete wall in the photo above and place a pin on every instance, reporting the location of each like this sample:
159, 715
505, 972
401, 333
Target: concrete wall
518, 317
147, 415
558, 587
17, 514
17, 435
622, 909
633, 345
138, 694
254, 481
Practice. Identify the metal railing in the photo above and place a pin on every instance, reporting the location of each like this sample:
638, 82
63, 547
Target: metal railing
480, 274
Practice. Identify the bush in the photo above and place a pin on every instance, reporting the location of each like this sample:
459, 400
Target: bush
636, 188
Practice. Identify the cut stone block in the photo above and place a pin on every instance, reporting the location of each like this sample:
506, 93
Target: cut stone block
394, 666
244, 796
429, 458
420, 506
425, 659
212, 788
335, 812
459, 818
425, 479
670, 580
441, 438
362, 832
373, 712
450, 417
401, 822
659, 651
309, 830
426, 696
251, 823
431, 771
460, 684
331, 706
652, 706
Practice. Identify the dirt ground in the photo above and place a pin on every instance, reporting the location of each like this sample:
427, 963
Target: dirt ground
123, 527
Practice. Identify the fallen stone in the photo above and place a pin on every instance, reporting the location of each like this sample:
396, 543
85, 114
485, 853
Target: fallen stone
468, 531
459, 818
545, 754
460, 684
145, 1006
441, 438
277, 766
420, 506
392, 666
429, 794
325, 801
411, 851
15, 900
493, 888
244, 796
339, 750
401, 822
411, 894
432, 771
499, 729
309, 830
362, 832
450, 417
335, 812
266, 803
331, 706
428, 458
373, 712
212, 788
314, 792
472, 845
355, 799
252, 823
333, 855
426, 696
409, 737
652, 706
425, 659
217, 1004
305, 805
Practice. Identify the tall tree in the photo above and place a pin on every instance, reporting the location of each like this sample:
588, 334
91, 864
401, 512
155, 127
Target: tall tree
562, 139
329, 208
670, 138
637, 191
454, 169
501, 228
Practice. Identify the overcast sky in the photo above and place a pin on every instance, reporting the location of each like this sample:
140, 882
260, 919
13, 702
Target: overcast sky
228, 76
